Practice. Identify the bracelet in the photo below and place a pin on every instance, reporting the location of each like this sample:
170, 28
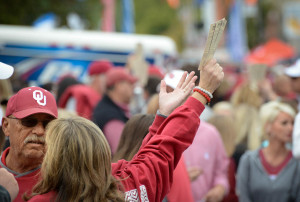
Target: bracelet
160, 114
203, 94
205, 91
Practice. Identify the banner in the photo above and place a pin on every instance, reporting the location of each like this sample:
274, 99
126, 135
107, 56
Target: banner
237, 36
108, 16
128, 25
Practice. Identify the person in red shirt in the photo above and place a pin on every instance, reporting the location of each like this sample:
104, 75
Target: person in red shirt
132, 137
83, 98
27, 114
80, 144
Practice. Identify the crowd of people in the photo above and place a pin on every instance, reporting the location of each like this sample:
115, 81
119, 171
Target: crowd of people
187, 140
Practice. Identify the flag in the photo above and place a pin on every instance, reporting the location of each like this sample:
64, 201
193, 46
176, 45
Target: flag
108, 16
237, 38
128, 25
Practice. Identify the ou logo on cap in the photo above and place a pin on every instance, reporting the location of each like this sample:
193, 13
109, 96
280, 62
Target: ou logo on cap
39, 97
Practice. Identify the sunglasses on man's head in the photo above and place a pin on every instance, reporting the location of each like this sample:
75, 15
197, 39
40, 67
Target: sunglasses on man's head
31, 122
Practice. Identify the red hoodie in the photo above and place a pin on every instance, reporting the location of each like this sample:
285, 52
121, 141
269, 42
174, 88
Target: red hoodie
86, 99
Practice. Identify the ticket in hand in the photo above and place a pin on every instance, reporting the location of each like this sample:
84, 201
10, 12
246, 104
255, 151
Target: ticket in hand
214, 36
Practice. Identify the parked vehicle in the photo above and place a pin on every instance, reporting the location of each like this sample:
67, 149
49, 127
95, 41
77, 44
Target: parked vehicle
40, 55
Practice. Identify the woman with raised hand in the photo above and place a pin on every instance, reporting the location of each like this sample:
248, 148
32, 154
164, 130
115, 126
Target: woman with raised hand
271, 173
87, 173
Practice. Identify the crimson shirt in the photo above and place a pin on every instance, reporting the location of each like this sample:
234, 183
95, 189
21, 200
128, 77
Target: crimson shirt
26, 181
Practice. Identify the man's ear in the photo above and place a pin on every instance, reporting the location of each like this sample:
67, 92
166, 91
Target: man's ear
5, 126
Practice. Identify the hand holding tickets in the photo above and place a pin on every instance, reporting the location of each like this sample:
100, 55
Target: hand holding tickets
213, 39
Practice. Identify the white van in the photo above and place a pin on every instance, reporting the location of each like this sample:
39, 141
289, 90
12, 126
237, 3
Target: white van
41, 56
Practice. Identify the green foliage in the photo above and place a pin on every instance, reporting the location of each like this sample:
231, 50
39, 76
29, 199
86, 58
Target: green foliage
154, 17
256, 25
253, 32
17, 12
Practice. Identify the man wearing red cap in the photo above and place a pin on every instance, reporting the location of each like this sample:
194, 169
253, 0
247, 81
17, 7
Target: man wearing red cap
112, 112
85, 97
27, 114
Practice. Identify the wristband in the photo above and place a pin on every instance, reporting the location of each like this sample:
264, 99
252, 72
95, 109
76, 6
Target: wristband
203, 94
205, 91
160, 114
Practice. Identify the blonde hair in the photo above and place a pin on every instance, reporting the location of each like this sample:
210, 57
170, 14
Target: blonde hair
226, 127
223, 108
269, 111
77, 164
244, 94
248, 126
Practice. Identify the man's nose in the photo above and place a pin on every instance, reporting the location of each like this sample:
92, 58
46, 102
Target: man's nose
39, 129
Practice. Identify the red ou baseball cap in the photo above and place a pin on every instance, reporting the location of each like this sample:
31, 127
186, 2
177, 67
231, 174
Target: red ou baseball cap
31, 100
118, 74
99, 67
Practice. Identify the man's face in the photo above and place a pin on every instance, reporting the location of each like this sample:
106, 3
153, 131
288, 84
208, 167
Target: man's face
101, 83
125, 89
27, 135
295, 82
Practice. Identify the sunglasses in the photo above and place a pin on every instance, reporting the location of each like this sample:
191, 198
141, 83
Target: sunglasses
32, 122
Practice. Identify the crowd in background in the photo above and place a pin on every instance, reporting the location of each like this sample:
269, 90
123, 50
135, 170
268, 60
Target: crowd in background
241, 151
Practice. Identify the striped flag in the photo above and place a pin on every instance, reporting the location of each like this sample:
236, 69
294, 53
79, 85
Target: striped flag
128, 25
237, 36
108, 16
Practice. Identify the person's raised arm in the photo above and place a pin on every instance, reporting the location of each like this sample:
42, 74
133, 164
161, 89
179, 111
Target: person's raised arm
150, 173
169, 101
211, 77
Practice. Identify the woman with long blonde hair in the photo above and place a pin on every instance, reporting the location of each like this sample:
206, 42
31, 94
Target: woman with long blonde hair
77, 164
248, 125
